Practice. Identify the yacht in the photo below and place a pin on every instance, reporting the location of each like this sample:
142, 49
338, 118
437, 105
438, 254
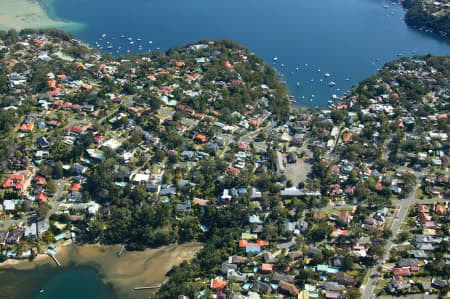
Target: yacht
150, 42
347, 79
122, 36
275, 59
103, 35
129, 38
327, 75
132, 43
298, 84
297, 68
332, 83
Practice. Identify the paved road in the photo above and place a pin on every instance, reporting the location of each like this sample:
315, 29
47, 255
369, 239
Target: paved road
403, 212
55, 205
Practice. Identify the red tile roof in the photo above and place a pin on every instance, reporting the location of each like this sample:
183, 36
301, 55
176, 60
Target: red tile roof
218, 284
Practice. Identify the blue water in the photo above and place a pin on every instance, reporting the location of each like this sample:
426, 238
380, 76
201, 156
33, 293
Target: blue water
346, 38
74, 284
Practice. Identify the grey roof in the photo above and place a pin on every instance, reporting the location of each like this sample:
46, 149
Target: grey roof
184, 207
284, 277
260, 286
226, 267
408, 263
168, 191
287, 245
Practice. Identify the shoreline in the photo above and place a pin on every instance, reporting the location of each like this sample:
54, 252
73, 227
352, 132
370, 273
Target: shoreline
31, 14
119, 274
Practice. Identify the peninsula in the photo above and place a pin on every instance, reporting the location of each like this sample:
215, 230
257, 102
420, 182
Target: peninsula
200, 144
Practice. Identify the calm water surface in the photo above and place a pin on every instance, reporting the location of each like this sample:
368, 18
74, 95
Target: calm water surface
74, 284
349, 39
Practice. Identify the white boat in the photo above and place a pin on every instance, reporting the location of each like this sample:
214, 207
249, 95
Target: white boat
129, 38
139, 39
110, 47
150, 42
42, 291
306, 64
298, 84
318, 70
321, 80
103, 35
330, 102
297, 68
327, 75
312, 80
275, 58
332, 83
122, 36
132, 43
347, 79
282, 65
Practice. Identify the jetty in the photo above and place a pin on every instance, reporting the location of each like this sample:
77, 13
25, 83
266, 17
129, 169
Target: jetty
121, 250
146, 288
54, 259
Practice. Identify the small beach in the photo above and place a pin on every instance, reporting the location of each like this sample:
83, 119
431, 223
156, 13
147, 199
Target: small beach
20, 14
120, 274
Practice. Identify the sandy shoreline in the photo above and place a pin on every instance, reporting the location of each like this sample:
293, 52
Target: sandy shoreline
20, 14
132, 269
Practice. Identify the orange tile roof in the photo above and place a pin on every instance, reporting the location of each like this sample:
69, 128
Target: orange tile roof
348, 136
27, 127
39, 180
218, 284
229, 65
267, 267
441, 209
42, 197
51, 83
201, 137
259, 243
76, 187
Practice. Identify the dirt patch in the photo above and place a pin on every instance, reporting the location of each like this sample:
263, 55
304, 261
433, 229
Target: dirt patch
298, 172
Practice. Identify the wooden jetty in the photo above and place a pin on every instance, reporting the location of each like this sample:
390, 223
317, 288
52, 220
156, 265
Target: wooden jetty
146, 288
121, 250
54, 259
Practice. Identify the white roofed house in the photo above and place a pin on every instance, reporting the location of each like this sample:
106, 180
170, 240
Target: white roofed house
141, 178
226, 195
